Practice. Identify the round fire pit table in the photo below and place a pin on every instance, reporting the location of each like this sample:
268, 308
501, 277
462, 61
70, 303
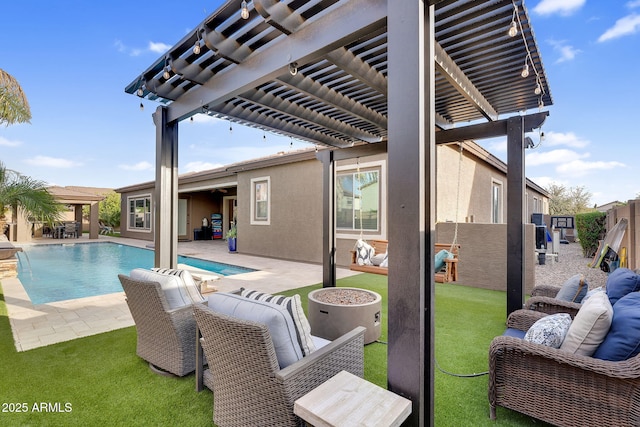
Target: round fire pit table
336, 311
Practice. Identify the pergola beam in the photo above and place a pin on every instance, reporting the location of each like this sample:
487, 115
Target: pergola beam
268, 100
456, 77
254, 117
311, 41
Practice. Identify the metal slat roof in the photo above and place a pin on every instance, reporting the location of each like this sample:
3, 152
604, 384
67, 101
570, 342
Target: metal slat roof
337, 93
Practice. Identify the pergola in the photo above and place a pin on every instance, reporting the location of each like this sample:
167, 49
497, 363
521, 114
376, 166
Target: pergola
362, 77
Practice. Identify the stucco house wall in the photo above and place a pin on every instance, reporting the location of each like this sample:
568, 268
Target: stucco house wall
294, 228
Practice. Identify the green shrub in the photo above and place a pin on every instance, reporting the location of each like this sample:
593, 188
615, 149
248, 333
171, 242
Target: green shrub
591, 228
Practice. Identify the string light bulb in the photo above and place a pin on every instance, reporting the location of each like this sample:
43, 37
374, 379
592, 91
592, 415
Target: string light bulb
166, 74
513, 29
141, 106
538, 89
525, 70
140, 91
196, 47
293, 68
244, 10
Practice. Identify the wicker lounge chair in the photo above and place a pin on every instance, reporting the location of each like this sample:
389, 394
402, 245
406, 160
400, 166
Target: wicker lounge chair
559, 387
543, 299
249, 386
166, 337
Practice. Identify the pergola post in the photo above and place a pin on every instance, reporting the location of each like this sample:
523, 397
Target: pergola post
165, 200
94, 218
411, 205
328, 216
516, 188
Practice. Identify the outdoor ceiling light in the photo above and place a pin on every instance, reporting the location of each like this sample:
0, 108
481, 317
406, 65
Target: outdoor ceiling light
293, 68
244, 10
525, 70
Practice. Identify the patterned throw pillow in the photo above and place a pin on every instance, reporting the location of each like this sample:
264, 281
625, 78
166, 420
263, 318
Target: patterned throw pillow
550, 330
364, 253
294, 307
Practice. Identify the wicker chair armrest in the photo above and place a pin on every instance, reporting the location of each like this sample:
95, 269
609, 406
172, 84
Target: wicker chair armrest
345, 353
523, 319
552, 306
545, 291
559, 359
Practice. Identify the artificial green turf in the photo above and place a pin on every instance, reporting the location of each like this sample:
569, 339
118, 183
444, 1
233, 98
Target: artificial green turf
105, 383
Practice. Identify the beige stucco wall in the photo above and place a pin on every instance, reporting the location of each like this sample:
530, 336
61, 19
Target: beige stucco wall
483, 254
295, 228
470, 201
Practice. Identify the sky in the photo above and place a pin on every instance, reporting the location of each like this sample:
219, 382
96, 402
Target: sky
74, 58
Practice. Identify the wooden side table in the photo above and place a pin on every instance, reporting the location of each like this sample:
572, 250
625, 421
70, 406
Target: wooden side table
348, 400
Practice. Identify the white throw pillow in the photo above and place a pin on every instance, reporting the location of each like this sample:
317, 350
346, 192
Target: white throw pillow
172, 286
294, 307
590, 326
274, 316
191, 289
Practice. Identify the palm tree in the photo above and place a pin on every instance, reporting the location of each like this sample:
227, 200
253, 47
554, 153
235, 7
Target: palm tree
14, 107
20, 192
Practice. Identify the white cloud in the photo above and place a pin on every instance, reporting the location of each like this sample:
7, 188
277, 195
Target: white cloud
134, 51
626, 26
562, 7
537, 158
158, 47
198, 166
4, 142
567, 52
140, 166
577, 167
633, 4
52, 162
569, 139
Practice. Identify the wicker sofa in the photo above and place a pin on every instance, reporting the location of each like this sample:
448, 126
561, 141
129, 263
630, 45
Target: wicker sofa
559, 387
249, 386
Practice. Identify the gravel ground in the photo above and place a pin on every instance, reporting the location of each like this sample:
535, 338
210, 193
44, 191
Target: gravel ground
570, 262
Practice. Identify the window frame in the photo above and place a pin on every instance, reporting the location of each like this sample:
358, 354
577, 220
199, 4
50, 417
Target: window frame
254, 220
147, 215
497, 211
380, 167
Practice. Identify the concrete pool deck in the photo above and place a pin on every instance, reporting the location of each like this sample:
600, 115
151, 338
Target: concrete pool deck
39, 325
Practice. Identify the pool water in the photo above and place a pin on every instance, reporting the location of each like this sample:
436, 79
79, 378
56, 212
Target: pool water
52, 273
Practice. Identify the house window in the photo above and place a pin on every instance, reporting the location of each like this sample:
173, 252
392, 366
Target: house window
496, 202
358, 200
261, 201
537, 206
140, 213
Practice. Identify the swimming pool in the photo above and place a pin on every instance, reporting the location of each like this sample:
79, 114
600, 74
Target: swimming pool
52, 273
